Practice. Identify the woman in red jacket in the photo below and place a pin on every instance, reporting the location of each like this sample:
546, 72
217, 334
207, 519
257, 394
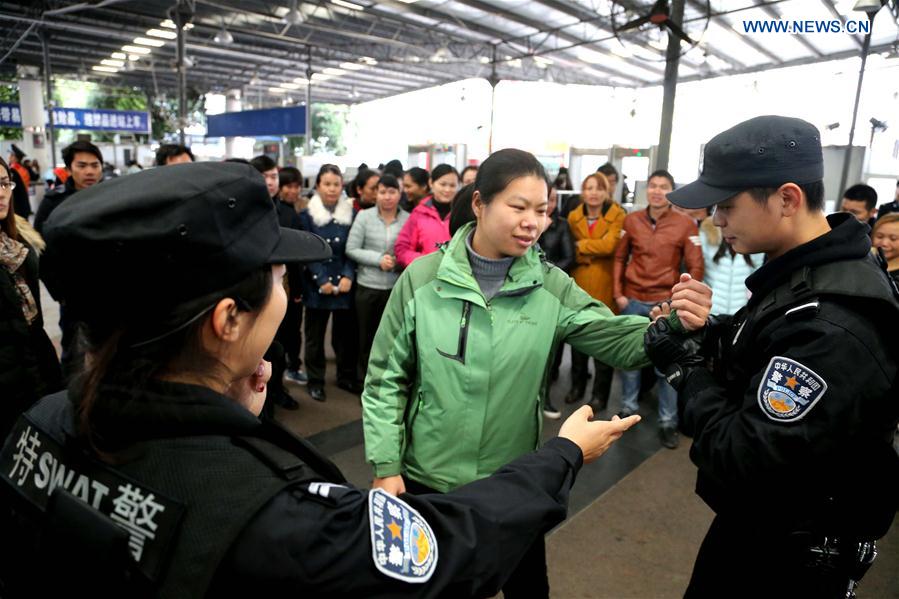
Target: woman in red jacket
428, 225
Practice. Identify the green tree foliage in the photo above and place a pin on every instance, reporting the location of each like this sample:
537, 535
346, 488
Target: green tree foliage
328, 123
9, 94
164, 113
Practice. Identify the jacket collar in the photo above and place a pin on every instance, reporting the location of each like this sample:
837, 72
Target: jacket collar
159, 409
66, 189
321, 216
525, 273
580, 213
847, 240
400, 214
667, 215
426, 208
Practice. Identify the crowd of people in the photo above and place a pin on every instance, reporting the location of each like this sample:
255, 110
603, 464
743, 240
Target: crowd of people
382, 220
450, 298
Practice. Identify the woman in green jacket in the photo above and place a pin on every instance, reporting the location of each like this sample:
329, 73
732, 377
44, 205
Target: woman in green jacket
454, 379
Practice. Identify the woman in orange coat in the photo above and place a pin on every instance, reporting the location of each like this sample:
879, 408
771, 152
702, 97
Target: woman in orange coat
596, 227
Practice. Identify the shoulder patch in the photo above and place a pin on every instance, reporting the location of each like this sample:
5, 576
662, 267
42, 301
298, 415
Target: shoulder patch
789, 389
403, 546
34, 465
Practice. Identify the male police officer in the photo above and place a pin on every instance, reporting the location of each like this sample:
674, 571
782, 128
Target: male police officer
792, 425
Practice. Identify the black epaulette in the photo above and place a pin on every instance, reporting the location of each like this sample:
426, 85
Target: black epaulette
803, 311
800, 297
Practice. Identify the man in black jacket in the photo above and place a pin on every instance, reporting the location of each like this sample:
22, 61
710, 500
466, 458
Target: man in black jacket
277, 354
558, 245
84, 163
893, 206
168, 154
860, 201
792, 429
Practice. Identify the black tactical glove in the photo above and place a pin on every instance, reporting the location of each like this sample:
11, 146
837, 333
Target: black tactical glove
674, 354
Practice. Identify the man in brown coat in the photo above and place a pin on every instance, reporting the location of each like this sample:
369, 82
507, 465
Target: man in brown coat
654, 244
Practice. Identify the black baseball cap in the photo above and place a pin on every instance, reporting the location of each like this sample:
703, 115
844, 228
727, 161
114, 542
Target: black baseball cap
163, 236
766, 151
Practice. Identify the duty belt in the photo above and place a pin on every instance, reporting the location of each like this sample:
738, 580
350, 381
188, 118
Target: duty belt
851, 559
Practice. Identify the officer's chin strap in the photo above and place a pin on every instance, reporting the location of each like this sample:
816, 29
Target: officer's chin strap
239, 301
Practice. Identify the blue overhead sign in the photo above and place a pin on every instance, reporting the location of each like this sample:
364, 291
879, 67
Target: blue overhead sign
83, 119
103, 120
10, 116
255, 123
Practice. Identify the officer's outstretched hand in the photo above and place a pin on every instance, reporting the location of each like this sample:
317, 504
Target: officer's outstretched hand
692, 300
594, 437
392, 484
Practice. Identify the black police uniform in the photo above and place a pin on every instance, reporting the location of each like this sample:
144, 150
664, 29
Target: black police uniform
792, 432
240, 506
52, 200
284, 352
887, 208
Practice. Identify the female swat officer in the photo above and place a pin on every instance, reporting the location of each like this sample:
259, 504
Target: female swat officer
153, 474
792, 430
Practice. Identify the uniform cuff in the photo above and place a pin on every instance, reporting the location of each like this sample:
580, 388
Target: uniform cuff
387, 469
569, 450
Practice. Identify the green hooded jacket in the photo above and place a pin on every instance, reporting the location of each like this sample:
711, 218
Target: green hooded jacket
453, 386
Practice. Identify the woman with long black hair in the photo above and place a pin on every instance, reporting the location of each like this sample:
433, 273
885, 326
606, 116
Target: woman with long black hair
29, 368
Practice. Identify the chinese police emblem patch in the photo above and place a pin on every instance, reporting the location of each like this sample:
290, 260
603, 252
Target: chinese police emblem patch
402, 543
788, 390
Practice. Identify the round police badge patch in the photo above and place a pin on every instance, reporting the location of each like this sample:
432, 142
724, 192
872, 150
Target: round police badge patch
402, 543
789, 389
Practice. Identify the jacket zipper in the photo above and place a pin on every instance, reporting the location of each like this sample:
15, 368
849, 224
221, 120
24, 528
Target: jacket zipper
463, 334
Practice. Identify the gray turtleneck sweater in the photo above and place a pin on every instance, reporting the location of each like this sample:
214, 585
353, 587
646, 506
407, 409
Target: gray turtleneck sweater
490, 274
